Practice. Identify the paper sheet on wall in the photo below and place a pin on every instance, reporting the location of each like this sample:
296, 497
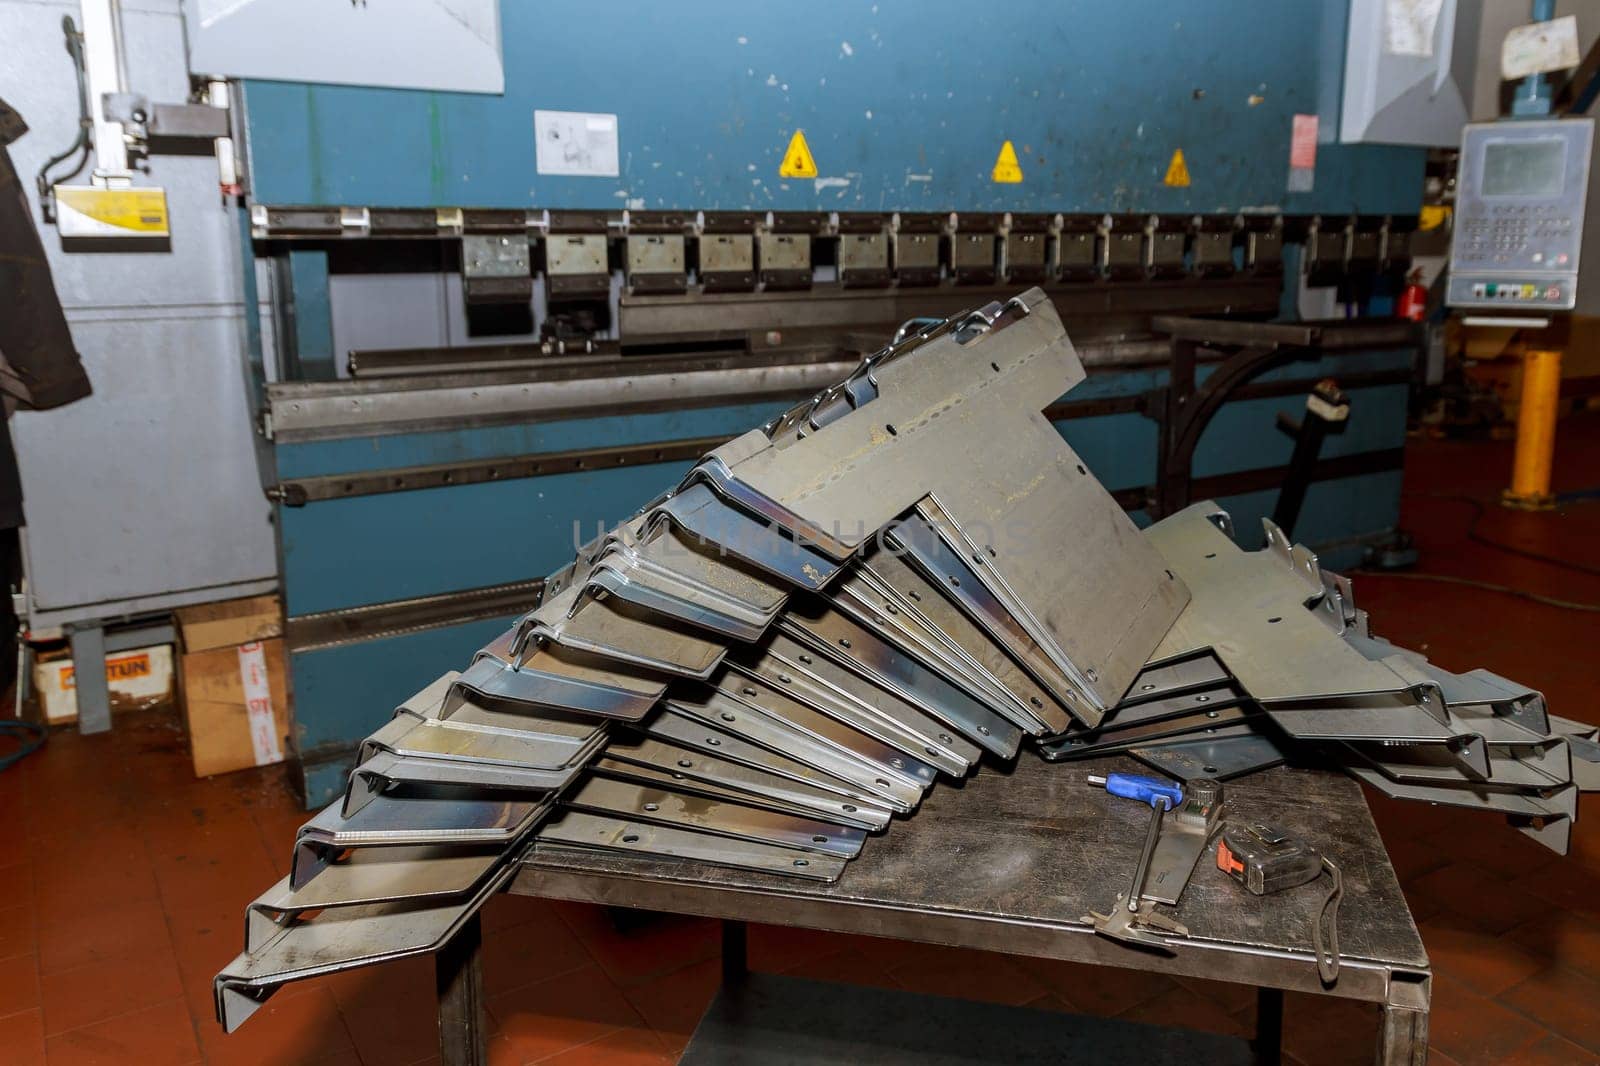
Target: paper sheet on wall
1408, 26
575, 143
1540, 47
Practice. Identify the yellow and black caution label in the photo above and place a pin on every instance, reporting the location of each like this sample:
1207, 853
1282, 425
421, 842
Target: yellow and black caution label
797, 159
90, 211
1177, 171
1007, 170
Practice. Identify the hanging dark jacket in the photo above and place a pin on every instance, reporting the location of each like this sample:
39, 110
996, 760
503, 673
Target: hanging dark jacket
43, 365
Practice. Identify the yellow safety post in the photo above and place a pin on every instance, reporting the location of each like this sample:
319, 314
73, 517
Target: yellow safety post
1536, 432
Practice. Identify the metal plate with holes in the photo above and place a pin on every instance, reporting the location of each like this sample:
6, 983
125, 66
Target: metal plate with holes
659, 806
834, 635
907, 779
1267, 639
594, 831
568, 254
384, 771
691, 733
681, 764
1229, 753
927, 441
833, 689
905, 592
727, 253
680, 782
339, 939
553, 678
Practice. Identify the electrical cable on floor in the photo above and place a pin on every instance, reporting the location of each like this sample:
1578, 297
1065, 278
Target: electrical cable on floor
1479, 509
1486, 586
31, 736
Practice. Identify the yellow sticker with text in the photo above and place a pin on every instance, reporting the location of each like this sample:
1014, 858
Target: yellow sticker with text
1007, 171
797, 160
1177, 171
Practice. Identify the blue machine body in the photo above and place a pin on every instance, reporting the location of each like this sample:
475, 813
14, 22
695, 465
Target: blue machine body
904, 103
905, 107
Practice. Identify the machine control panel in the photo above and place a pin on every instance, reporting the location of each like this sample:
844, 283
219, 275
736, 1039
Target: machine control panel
1520, 198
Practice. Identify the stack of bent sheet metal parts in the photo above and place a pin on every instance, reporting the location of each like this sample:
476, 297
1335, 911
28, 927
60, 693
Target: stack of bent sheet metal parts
782, 654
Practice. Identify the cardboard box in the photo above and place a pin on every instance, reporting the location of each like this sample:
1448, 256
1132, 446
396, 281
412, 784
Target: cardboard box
229, 622
234, 684
140, 679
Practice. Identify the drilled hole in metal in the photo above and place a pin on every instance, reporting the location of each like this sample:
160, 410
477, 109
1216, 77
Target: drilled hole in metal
806, 659
984, 730
1081, 470
956, 581
932, 751
851, 807
844, 642
785, 678
1202, 699
1211, 555
892, 431
882, 783
1036, 701
913, 594
685, 763
726, 717
1209, 769
947, 738
898, 764
631, 838
819, 840
1275, 619
714, 742
748, 690
802, 862
652, 806
1146, 687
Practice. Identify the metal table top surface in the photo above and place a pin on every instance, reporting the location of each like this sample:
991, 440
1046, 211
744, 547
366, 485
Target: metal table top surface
1012, 858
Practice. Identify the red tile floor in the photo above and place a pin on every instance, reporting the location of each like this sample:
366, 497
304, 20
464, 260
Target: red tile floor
122, 880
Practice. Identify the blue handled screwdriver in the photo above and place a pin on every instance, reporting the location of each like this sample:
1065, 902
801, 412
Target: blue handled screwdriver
1162, 796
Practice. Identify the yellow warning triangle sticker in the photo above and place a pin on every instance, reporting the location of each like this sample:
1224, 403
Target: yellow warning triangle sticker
797, 161
1007, 171
1177, 171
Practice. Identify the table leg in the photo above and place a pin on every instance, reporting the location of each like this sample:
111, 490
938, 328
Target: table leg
735, 952
1268, 1043
1403, 1033
458, 979
89, 673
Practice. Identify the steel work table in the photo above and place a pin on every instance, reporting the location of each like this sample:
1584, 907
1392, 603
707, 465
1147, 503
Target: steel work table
1009, 861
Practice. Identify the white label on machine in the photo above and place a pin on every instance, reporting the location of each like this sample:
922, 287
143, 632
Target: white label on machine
1540, 47
575, 143
1408, 26
258, 704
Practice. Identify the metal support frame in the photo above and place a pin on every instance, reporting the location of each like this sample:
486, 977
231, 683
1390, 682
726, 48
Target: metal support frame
458, 979
89, 675
1184, 408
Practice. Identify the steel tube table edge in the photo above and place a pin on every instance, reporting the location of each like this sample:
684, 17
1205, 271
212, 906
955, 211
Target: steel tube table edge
1359, 979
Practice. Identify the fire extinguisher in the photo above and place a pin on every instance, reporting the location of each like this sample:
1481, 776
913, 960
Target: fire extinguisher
1413, 303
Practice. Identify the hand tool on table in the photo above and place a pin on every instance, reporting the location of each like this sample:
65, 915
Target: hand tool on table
1129, 920
1264, 859
1185, 833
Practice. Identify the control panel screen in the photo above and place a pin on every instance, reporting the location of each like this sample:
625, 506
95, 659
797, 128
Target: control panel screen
1518, 232
1525, 169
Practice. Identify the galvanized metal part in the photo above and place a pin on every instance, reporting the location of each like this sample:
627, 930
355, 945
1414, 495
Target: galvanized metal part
900, 577
585, 830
